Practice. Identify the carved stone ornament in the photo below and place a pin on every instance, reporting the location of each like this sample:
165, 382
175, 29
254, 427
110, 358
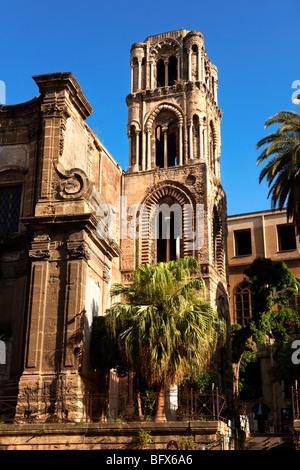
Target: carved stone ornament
75, 185
39, 255
53, 109
79, 252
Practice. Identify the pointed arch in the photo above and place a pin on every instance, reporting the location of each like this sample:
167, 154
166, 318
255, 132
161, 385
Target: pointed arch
168, 149
166, 192
163, 107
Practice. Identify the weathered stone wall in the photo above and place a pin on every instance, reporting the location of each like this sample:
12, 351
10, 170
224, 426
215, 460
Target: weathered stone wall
57, 267
112, 436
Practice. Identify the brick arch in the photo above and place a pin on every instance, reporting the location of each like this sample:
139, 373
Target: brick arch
167, 42
159, 193
163, 107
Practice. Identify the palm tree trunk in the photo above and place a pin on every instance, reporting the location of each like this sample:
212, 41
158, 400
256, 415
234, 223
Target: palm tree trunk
160, 404
236, 374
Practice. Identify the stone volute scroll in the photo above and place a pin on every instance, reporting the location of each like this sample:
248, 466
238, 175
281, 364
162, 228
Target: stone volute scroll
73, 184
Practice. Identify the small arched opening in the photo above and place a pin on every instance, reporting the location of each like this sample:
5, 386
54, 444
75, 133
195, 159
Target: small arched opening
160, 73
172, 71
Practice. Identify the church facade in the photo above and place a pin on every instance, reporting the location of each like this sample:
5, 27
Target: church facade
57, 259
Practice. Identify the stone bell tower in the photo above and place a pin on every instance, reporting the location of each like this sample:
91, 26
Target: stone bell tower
174, 158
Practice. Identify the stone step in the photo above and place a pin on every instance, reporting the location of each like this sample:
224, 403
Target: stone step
276, 441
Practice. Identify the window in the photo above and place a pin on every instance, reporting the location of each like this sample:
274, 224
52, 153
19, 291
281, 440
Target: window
286, 237
168, 226
160, 73
172, 70
166, 145
242, 305
294, 303
10, 201
242, 239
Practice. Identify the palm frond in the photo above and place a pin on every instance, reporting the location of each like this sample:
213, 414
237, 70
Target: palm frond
165, 324
282, 170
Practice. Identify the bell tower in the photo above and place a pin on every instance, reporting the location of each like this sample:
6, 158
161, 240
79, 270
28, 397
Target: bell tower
173, 114
174, 159
174, 146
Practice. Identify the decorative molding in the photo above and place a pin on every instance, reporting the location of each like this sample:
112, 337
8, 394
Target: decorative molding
79, 252
75, 185
39, 255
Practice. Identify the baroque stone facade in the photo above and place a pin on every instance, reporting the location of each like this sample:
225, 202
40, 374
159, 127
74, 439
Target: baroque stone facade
55, 173
55, 271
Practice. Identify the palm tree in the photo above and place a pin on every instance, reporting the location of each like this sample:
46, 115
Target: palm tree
164, 326
283, 169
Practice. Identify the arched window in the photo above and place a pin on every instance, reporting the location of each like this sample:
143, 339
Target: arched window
242, 304
172, 70
166, 225
166, 145
194, 59
160, 73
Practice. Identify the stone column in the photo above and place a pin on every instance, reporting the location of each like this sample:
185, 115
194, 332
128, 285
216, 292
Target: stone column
178, 67
51, 385
190, 65
205, 142
165, 131
199, 64
166, 62
143, 152
130, 143
167, 222
137, 148
191, 140
200, 140
131, 78
216, 92
180, 145
148, 149
151, 75
139, 75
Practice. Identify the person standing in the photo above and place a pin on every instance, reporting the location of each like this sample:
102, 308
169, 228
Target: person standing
261, 411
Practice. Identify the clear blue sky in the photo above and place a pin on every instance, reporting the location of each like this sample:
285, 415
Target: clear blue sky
255, 46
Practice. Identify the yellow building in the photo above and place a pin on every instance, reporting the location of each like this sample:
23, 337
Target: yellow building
263, 234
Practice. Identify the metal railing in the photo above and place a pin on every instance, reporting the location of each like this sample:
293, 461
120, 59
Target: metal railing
186, 405
202, 406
